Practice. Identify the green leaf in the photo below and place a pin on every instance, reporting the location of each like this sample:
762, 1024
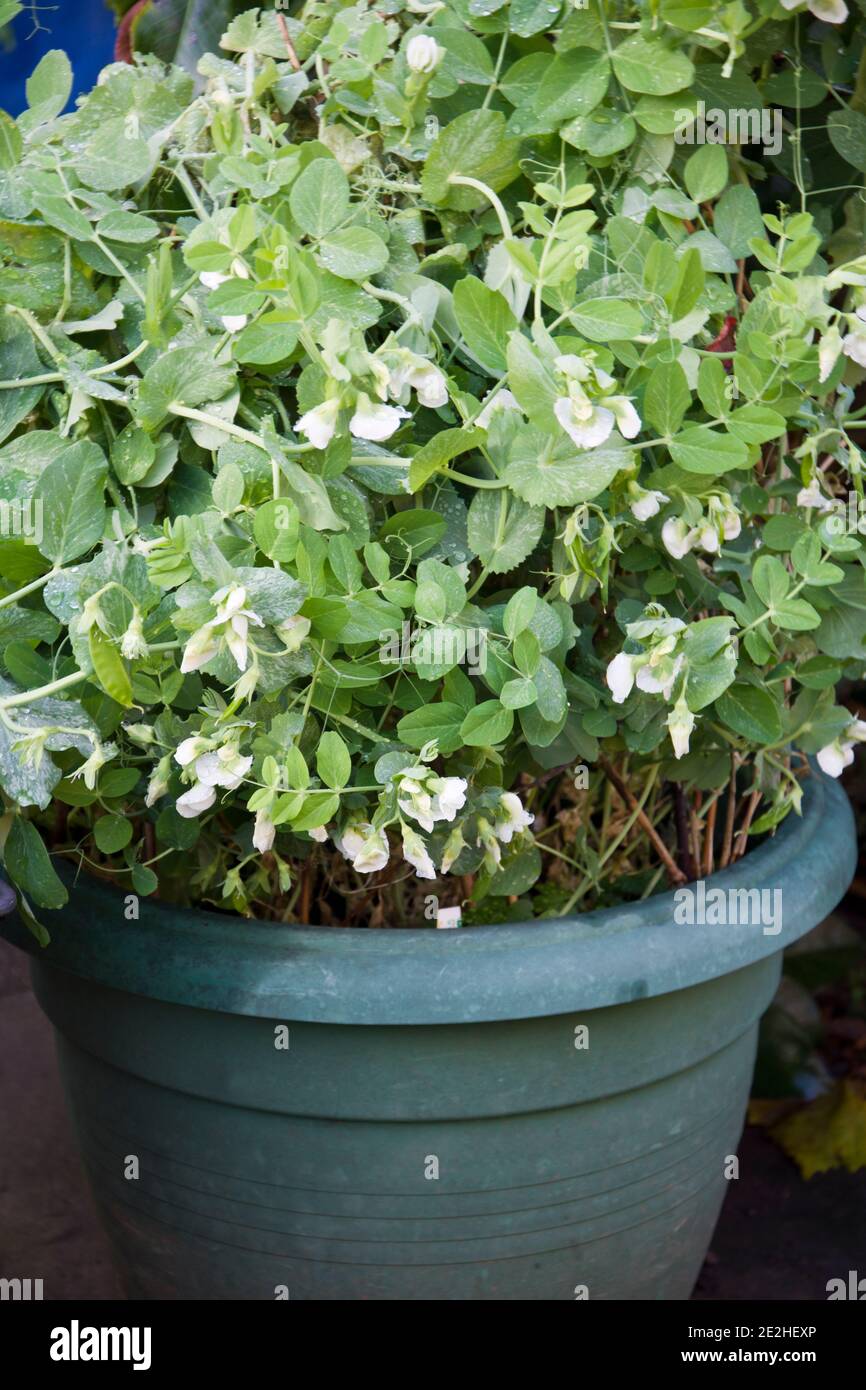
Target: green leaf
706, 172
70, 494
519, 611
184, 376
267, 341
440, 721
503, 530
645, 65
319, 808
700, 449
750, 712
770, 579
112, 833
50, 84
667, 397
319, 199
276, 528
847, 132
574, 84
689, 285
486, 725
485, 321
128, 227
18, 359
353, 253
437, 452
756, 424
181, 31
132, 454
29, 866
11, 142
532, 382
109, 668
333, 762
553, 472
111, 160
476, 146
606, 319
737, 219
517, 873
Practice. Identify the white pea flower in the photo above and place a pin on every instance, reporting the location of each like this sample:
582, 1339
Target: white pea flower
680, 723
199, 798
375, 422
627, 418
645, 502
245, 686
487, 840
319, 833
454, 846
158, 784
293, 631
430, 386
585, 422
89, 770
320, 423
423, 54
814, 498
504, 275
365, 847
511, 818
264, 831
829, 349
405, 371
224, 768
230, 624
428, 798
132, 643
658, 677
620, 677
141, 733
201, 648
212, 279
706, 537
493, 402
677, 539
233, 323
835, 757
854, 343
90, 615
449, 796
192, 748
415, 853
830, 11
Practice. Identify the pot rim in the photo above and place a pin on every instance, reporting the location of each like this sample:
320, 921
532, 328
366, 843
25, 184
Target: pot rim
416, 976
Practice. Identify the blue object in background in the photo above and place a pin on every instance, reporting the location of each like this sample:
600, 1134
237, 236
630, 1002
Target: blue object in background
84, 28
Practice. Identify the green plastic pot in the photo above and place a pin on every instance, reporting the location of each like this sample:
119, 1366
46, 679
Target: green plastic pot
435, 1128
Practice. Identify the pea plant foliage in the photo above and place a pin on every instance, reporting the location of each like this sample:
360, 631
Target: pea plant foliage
430, 462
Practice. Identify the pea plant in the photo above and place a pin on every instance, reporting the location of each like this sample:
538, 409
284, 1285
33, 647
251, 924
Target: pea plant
429, 467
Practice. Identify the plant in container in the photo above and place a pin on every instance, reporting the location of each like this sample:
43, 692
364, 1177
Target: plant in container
426, 478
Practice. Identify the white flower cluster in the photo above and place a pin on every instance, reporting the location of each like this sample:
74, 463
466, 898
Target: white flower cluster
230, 625
210, 767
587, 410
655, 670
720, 522
355, 376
